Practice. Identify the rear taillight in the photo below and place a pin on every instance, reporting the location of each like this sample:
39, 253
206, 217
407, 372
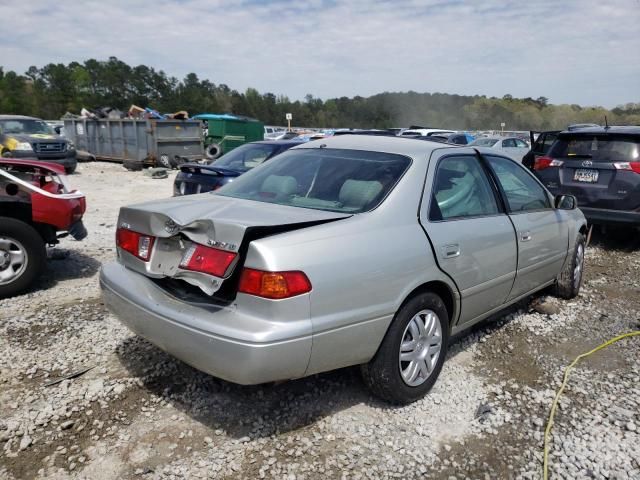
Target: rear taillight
545, 162
135, 243
633, 166
274, 285
213, 261
76, 213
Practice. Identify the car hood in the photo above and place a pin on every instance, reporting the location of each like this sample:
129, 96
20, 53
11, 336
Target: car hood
208, 219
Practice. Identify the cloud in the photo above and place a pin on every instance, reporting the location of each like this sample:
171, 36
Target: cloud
577, 51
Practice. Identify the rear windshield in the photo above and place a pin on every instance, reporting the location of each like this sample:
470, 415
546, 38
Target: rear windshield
597, 148
348, 181
246, 156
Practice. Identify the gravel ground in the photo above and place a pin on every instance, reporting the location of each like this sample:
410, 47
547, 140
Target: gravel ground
139, 413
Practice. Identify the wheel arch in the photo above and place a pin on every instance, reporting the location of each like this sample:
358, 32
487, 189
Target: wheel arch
583, 229
444, 291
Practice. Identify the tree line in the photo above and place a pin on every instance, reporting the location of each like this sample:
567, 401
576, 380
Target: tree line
51, 91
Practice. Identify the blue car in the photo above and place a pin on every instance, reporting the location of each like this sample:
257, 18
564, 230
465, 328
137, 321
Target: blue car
201, 178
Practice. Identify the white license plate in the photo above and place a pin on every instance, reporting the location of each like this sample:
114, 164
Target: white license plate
585, 175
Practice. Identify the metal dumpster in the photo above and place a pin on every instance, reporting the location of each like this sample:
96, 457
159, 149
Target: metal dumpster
226, 132
143, 142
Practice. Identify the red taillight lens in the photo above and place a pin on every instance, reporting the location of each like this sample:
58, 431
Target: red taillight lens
274, 285
633, 166
213, 261
545, 162
135, 243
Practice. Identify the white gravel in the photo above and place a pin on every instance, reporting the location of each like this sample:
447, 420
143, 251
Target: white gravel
139, 413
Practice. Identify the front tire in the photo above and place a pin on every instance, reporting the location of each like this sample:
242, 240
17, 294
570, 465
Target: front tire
412, 352
22, 256
570, 279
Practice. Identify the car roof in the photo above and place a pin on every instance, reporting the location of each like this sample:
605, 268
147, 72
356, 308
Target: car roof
619, 129
56, 167
17, 117
392, 144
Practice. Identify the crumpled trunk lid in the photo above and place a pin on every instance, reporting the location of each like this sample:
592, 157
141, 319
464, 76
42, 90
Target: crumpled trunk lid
216, 221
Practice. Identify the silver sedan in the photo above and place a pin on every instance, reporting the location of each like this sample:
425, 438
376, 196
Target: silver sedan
351, 250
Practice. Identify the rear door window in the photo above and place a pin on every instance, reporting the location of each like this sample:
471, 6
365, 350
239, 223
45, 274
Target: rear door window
461, 189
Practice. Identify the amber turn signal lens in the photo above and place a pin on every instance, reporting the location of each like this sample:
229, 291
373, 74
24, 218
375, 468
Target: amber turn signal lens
274, 285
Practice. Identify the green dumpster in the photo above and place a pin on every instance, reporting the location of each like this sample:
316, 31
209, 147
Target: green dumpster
224, 132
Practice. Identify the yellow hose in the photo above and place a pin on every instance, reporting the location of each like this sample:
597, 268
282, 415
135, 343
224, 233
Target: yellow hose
554, 405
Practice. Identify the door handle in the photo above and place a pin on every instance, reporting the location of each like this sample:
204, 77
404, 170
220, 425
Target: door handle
451, 251
525, 236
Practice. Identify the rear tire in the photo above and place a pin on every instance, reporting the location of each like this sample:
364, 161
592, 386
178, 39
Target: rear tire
570, 279
19, 239
410, 357
164, 160
132, 165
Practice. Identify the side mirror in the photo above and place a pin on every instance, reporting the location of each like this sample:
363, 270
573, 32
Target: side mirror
57, 129
566, 202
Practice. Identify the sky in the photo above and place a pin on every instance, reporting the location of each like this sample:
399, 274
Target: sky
571, 51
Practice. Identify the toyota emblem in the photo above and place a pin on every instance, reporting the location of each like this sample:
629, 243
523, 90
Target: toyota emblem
170, 226
587, 163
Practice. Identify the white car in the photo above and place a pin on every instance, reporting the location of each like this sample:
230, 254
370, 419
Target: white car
425, 132
514, 147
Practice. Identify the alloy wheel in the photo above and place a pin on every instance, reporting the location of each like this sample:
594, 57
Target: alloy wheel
420, 348
13, 260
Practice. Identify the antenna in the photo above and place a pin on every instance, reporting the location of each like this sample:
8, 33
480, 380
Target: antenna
606, 123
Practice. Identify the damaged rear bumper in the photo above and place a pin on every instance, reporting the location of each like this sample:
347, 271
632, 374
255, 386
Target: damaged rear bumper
222, 341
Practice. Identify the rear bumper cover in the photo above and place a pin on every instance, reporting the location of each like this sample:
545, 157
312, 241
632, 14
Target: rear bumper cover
611, 217
199, 335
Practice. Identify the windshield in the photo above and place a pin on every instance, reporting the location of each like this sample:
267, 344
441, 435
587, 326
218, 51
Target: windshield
597, 148
25, 127
246, 156
484, 142
347, 181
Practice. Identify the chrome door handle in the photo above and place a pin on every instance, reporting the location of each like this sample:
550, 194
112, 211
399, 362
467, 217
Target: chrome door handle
451, 251
525, 236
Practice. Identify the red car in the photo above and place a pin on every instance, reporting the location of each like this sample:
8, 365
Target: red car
37, 207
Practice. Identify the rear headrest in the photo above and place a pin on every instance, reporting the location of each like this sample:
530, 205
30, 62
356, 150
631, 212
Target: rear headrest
280, 185
356, 194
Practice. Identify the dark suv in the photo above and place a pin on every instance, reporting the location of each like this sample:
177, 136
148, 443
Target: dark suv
601, 167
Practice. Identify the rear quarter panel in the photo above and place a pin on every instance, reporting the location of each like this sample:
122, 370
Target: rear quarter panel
361, 269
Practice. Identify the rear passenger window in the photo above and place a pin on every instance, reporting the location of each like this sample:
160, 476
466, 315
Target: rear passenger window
461, 189
523, 192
